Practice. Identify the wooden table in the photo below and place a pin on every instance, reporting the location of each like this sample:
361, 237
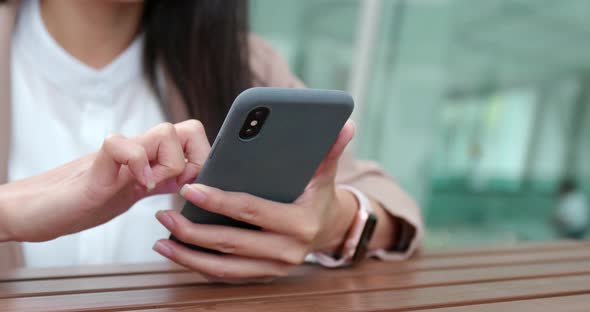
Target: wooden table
532, 277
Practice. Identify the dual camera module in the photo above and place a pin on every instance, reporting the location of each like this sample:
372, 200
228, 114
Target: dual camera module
254, 123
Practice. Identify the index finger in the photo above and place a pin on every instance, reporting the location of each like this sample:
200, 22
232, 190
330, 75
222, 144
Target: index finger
288, 219
196, 148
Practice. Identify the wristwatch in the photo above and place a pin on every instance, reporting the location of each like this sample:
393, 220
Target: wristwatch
356, 243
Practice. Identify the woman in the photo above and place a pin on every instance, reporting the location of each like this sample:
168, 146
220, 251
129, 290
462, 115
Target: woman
80, 70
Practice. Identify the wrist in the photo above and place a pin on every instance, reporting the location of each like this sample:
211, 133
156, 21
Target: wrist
344, 212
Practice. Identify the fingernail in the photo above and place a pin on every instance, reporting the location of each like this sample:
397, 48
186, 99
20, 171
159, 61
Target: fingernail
148, 175
193, 192
162, 249
184, 189
165, 219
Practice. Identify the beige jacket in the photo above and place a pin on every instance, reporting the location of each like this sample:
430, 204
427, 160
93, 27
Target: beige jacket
270, 69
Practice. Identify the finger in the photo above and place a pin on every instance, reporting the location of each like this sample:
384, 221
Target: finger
220, 266
272, 216
196, 147
116, 151
327, 169
236, 241
164, 150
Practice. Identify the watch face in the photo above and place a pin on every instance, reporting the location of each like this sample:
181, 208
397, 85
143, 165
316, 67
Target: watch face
367, 234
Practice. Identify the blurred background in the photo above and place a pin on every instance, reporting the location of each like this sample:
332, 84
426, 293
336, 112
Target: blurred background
478, 108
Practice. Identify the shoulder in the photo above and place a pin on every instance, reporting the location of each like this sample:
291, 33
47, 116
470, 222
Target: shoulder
269, 67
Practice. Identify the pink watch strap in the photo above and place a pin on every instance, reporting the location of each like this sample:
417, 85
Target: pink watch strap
354, 234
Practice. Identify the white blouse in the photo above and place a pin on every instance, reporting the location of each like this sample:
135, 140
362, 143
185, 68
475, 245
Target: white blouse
62, 110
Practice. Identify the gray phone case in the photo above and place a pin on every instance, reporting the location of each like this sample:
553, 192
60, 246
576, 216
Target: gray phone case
278, 163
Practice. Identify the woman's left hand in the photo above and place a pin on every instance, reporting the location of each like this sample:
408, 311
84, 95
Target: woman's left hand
316, 221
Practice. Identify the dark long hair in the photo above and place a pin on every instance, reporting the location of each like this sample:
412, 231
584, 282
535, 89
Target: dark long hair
203, 46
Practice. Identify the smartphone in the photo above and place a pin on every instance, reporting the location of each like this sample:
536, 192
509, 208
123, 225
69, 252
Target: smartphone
270, 145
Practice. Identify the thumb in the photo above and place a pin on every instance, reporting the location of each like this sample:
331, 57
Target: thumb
326, 172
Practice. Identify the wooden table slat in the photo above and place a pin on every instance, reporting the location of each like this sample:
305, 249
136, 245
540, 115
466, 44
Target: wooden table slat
89, 271
415, 299
573, 303
401, 299
579, 303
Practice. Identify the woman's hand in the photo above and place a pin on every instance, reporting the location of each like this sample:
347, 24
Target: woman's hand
96, 188
318, 220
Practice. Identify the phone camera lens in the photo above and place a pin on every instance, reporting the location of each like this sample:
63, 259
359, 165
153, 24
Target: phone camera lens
254, 123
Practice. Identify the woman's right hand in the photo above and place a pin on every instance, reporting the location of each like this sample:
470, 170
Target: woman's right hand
98, 187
